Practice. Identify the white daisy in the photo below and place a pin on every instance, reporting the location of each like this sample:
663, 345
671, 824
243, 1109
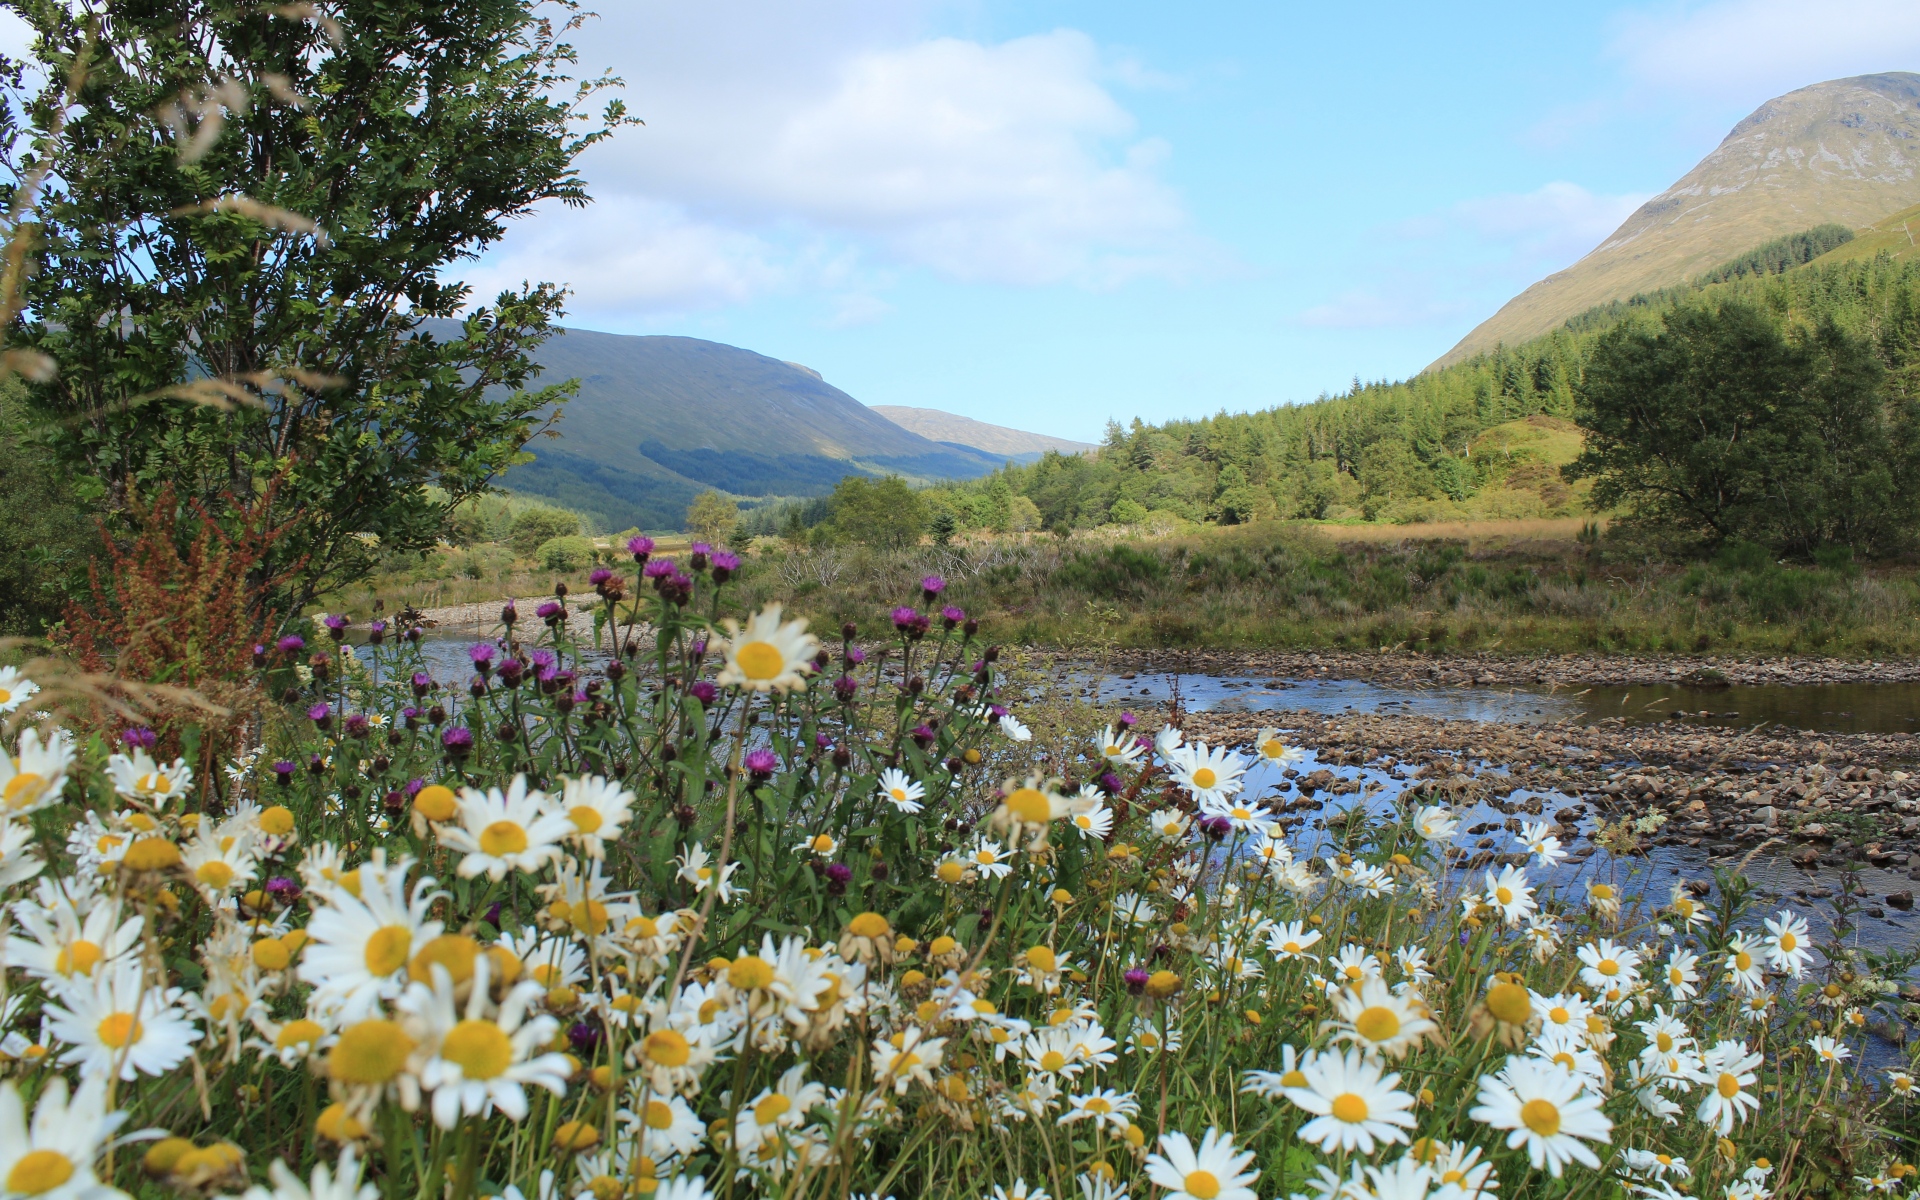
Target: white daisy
140, 778
1548, 1110
598, 809
1208, 773
1292, 940
114, 1022
1274, 750
901, 790
53, 1159
1354, 1103
34, 778
1608, 965
1119, 747
482, 1062
1510, 894
1212, 1172
15, 689
1379, 1022
499, 832
766, 655
1787, 948
1728, 1070
1436, 823
359, 945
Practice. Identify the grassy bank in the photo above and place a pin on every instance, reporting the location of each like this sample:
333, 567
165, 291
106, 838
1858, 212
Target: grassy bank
1290, 586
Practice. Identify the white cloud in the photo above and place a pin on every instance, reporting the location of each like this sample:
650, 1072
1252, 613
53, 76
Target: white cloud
1765, 47
792, 150
1555, 224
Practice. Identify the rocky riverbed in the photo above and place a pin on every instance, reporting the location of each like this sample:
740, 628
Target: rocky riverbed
1820, 798
1489, 670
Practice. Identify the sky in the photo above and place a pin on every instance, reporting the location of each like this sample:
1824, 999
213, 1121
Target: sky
1054, 213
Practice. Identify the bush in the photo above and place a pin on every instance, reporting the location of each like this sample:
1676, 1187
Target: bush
1127, 512
565, 553
535, 527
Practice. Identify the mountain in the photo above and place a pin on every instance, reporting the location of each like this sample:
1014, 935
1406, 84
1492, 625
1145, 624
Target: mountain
1897, 236
1844, 151
660, 419
967, 433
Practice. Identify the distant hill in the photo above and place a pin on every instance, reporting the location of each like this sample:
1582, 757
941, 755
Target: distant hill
1896, 236
659, 419
997, 440
1846, 151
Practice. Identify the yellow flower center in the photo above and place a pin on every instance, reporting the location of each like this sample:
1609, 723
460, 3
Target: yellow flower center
1294, 1079
659, 1115
1273, 747
153, 782
301, 1032
454, 952
39, 1171
1541, 1117
586, 818
1377, 1024
760, 661
643, 927
80, 957
1042, 959
118, 1029
1052, 1060
1355, 973
20, 791
1292, 947
1201, 1185
1559, 1015
276, 821
750, 971
1663, 1040
1788, 941
436, 802
1602, 892
1565, 1059
1204, 779
370, 1052
480, 1049
897, 793
1503, 894
1510, 1002
1608, 967
1743, 960
503, 838
217, 875
868, 925
950, 871
823, 844
667, 1048
152, 854
1097, 1105
387, 949
1350, 1108
1728, 1085
1676, 975
1030, 805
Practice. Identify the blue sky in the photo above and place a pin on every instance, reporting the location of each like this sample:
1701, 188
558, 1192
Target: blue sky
1048, 214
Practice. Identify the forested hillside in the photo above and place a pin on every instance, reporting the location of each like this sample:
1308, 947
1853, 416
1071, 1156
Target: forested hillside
1483, 438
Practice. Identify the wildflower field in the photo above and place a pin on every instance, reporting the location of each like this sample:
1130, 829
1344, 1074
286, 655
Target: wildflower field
745, 912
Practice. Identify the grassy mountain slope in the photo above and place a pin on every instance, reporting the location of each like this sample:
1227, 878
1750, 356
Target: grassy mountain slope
956, 430
1844, 151
1896, 237
658, 419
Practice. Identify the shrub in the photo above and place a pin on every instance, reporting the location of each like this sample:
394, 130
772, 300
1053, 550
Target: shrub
565, 553
535, 527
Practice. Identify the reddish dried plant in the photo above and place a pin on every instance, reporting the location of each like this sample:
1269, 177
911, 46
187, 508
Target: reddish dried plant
182, 603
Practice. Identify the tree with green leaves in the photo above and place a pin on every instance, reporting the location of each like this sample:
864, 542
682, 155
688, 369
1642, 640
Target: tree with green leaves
878, 512
251, 216
712, 517
1718, 424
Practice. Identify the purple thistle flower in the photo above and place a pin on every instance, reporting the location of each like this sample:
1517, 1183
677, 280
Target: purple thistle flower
482, 655
599, 576
458, 739
1136, 979
291, 644
1128, 720
923, 735
932, 586
659, 568
321, 715
259, 655
845, 687
334, 621
511, 671
422, 683
953, 615
640, 547
139, 738
509, 613
903, 617
698, 648
998, 711
584, 1037
1112, 784
704, 692
285, 890
855, 656
761, 764
551, 611
377, 632
283, 772
839, 873
725, 563
822, 742
543, 658
355, 725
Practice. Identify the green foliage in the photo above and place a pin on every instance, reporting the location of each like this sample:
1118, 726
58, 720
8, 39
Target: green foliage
261, 205
48, 536
565, 553
712, 517
534, 527
1781, 254
877, 512
1720, 424
942, 527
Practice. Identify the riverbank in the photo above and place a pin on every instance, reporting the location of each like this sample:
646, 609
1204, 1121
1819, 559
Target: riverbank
1820, 797
1404, 669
